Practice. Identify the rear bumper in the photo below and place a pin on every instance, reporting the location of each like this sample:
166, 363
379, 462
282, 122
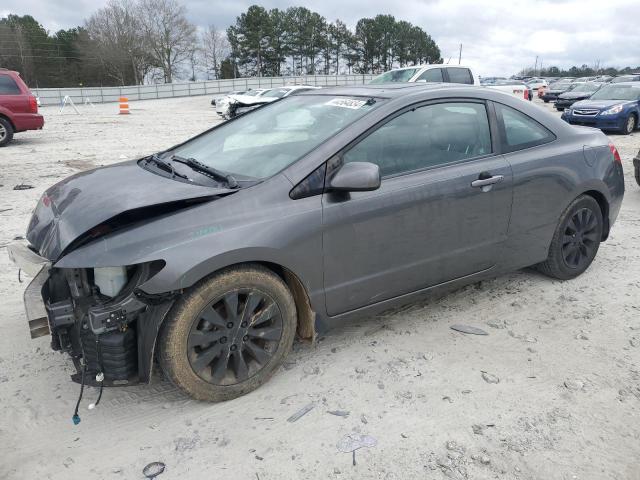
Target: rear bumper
37, 267
28, 121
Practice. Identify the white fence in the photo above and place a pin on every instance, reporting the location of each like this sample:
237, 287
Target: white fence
55, 96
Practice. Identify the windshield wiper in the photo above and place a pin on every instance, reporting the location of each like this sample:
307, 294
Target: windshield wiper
166, 166
211, 171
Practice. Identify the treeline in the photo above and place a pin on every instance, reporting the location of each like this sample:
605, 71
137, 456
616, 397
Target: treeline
132, 42
582, 71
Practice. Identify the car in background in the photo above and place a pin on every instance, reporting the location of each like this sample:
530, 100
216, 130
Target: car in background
535, 84
552, 91
437, 73
491, 80
241, 104
581, 91
18, 107
516, 88
222, 95
615, 107
634, 77
222, 104
211, 256
636, 167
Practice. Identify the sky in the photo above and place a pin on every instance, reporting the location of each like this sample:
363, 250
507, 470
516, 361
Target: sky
498, 37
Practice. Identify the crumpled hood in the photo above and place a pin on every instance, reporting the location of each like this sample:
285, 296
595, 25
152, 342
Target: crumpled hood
78, 203
250, 99
600, 104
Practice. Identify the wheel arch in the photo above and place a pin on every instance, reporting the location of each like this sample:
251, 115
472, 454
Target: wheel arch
8, 119
604, 209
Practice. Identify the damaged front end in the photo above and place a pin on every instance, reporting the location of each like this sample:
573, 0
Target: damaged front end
99, 316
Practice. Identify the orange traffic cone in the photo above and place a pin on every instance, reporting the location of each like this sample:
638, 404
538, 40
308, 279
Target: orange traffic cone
124, 106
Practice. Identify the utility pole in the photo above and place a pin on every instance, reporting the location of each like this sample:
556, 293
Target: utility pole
460, 55
535, 69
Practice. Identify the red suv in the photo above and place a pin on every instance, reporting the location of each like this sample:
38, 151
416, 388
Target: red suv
18, 107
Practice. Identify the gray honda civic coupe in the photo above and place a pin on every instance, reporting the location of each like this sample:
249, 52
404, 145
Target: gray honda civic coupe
210, 257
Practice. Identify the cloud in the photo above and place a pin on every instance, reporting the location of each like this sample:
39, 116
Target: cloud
498, 37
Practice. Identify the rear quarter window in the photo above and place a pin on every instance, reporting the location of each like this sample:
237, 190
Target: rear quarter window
520, 131
460, 75
8, 86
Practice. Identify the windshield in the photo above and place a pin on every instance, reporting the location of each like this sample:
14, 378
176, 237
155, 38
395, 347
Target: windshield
276, 92
260, 144
396, 76
617, 92
561, 86
627, 78
253, 93
586, 87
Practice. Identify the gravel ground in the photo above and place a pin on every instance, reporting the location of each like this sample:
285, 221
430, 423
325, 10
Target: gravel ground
553, 392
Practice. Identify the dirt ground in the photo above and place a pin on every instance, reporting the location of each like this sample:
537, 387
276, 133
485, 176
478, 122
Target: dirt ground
553, 392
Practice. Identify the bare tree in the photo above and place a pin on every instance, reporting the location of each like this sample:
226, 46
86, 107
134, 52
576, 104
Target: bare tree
216, 48
117, 38
168, 35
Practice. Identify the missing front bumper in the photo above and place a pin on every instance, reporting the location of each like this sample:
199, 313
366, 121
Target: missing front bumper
37, 267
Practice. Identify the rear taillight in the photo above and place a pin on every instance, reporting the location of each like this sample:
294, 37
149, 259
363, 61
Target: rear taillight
615, 153
33, 104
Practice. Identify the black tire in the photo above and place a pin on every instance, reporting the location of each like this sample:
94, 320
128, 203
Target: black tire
560, 109
545, 101
579, 230
636, 171
630, 125
198, 337
6, 131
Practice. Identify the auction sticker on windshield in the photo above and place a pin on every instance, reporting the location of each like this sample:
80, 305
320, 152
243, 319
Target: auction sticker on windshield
346, 103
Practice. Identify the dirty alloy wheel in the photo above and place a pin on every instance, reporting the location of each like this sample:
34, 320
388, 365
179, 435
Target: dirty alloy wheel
630, 125
576, 240
228, 334
6, 132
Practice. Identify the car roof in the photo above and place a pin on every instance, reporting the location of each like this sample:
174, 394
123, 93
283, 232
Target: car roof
384, 90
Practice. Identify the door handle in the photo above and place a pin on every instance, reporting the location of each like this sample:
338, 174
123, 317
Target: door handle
483, 182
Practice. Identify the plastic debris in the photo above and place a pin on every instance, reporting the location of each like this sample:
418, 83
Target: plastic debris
339, 413
353, 441
490, 378
300, 413
468, 329
153, 469
23, 186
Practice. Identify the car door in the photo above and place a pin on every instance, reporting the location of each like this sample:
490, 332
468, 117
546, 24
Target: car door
441, 212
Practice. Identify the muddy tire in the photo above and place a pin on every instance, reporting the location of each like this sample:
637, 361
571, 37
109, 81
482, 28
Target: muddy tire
576, 240
6, 131
228, 334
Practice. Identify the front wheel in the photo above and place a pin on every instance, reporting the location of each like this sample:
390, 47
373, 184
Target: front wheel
630, 125
228, 334
576, 240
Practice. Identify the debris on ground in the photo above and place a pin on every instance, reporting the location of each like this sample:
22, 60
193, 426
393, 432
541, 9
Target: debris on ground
468, 329
23, 186
574, 384
301, 413
339, 413
490, 378
153, 469
353, 441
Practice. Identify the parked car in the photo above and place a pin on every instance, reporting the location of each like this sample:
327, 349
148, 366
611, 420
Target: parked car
581, 91
636, 167
18, 107
634, 77
535, 84
615, 107
241, 104
222, 104
222, 95
515, 87
552, 91
490, 80
332, 204
437, 73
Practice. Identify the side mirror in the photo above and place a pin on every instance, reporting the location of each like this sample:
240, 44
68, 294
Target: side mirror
356, 177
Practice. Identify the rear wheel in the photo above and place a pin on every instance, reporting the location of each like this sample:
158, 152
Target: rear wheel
227, 335
630, 125
6, 132
636, 171
576, 240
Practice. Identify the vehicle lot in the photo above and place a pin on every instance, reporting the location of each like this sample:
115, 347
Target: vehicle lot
567, 356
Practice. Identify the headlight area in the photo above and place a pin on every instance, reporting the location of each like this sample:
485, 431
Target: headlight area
94, 315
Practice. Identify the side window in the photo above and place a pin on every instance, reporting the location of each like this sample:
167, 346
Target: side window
8, 86
431, 75
520, 131
426, 137
460, 75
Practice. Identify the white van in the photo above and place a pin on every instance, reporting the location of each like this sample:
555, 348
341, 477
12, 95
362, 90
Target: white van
430, 73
